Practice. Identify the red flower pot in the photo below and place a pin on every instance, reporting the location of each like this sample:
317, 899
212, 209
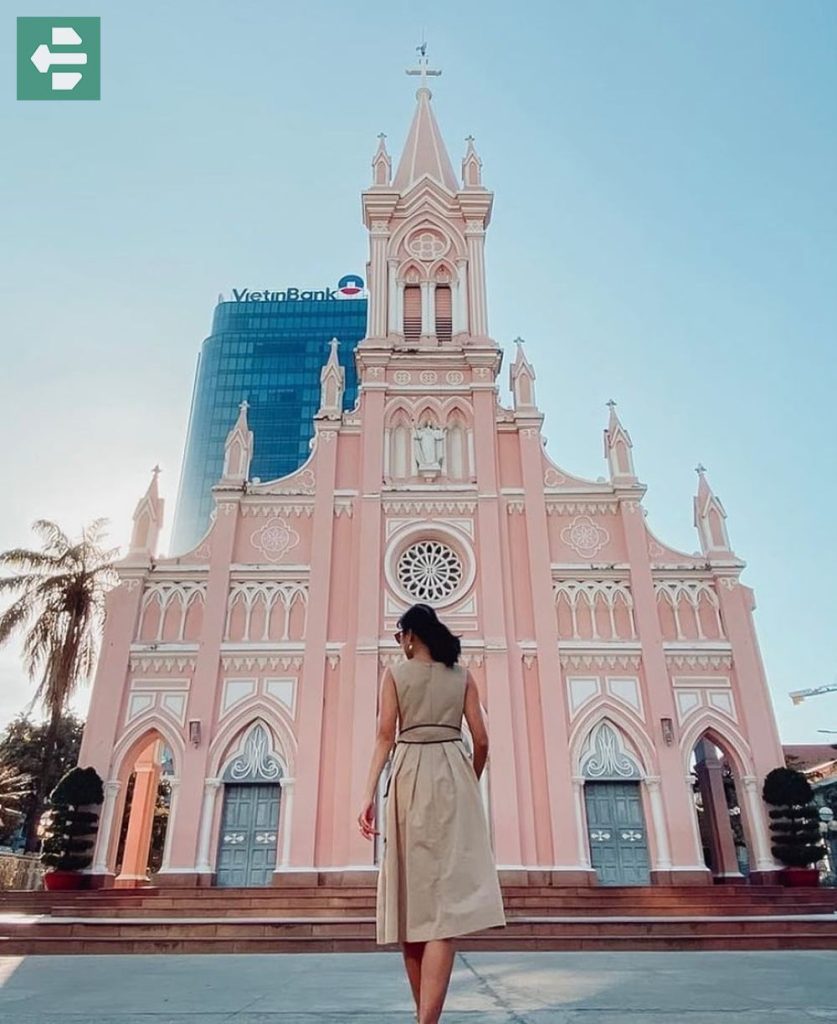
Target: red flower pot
799, 878
63, 881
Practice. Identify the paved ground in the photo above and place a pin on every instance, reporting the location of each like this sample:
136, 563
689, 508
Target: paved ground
487, 988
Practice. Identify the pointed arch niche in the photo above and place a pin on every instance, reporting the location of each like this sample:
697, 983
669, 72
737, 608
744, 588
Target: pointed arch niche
252, 820
137, 821
611, 808
729, 815
401, 464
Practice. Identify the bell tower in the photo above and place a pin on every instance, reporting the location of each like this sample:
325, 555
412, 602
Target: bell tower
426, 269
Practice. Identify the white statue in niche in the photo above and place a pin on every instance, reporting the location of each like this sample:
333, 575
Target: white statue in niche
429, 447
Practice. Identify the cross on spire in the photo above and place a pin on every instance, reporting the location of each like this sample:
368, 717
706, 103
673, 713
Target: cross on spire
156, 471
700, 468
424, 71
611, 404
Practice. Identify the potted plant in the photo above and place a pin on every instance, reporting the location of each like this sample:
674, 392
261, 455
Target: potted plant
795, 826
70, 828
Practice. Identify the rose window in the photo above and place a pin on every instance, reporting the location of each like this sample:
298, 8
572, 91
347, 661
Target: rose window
429, 571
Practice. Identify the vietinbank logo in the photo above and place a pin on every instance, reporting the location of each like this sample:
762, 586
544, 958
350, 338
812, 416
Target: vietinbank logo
348, 287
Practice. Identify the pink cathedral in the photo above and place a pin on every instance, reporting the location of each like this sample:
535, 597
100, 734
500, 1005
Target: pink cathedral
629, 715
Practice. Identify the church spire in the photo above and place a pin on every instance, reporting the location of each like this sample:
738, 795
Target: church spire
148, 520
522, 380
332, 386
238, 450
424, 152
471, 166
381, 164
618, 449
710, 518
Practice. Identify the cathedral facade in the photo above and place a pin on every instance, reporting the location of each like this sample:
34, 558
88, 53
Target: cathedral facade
627, 705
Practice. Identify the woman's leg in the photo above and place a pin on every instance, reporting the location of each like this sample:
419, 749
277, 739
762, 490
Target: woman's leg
436, 966
413, 952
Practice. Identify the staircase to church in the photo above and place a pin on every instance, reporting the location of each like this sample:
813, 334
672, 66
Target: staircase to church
340, 918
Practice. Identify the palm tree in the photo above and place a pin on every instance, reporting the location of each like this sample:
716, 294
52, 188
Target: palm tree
59, 606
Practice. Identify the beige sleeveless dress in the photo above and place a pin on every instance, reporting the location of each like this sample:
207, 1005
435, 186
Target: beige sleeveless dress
438, 878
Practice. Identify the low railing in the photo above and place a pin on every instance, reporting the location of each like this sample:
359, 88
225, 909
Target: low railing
20, 871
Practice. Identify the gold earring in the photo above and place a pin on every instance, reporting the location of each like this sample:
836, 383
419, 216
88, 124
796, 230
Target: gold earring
410, 648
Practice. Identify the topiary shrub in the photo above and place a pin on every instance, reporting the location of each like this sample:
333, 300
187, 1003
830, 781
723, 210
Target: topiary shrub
70, 832
794, 818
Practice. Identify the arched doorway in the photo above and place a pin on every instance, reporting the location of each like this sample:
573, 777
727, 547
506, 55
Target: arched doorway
249, 834
721, 818
144, 829
616, 829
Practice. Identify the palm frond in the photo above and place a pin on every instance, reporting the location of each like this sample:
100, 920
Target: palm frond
54, 538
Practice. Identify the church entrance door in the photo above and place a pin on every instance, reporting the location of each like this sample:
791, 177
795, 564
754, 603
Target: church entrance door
616, 832
249, 831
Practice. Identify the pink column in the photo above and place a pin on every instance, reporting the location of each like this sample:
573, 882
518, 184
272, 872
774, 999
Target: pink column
141, 819
309, 760
553, 734
756, 712
506, 760
361, 685
675, 796
710, 776
203, 700
510, 733
754, 705
102, 729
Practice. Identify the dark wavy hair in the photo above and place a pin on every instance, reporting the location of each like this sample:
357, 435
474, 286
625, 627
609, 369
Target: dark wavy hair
422, 620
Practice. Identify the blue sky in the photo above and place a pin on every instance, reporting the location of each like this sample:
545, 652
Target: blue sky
664, 234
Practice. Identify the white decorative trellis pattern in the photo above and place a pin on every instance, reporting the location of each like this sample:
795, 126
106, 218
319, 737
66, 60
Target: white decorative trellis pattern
172, 598
429, 570
585, 536
265, 596
256, 760
275, 539
593, 594
605, 756
690, 594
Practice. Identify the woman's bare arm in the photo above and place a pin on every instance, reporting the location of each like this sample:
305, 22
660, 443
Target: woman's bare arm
385, 736
476, 723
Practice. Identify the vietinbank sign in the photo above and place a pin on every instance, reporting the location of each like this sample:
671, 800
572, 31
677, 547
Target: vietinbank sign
348, 287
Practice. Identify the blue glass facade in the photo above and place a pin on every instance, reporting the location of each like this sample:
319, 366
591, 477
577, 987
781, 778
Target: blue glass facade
270, 353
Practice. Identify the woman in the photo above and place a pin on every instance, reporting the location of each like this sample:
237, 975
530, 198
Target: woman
437, 877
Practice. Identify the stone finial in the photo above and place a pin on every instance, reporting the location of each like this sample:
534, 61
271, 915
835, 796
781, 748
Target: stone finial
710, 518
332, 385
522, 379
618, 449
148, 520
238, 449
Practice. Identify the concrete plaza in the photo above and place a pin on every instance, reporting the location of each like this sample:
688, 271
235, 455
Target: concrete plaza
487, 988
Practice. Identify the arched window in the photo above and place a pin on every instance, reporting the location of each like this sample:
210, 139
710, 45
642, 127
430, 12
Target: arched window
444, 315
412, 313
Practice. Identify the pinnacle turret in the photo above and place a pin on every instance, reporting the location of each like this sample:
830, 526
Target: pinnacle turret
148, 520
710, 518
618, 449
238, 449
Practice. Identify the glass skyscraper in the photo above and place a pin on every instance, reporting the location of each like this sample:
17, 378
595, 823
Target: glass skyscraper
271, 353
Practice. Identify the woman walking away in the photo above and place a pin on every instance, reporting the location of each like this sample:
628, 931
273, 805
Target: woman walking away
437, 878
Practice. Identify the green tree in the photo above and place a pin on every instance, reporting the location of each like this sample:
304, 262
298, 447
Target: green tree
13, 788
58, 605
22, 748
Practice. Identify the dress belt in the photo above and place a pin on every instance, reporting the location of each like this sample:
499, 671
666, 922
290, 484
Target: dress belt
417, 740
